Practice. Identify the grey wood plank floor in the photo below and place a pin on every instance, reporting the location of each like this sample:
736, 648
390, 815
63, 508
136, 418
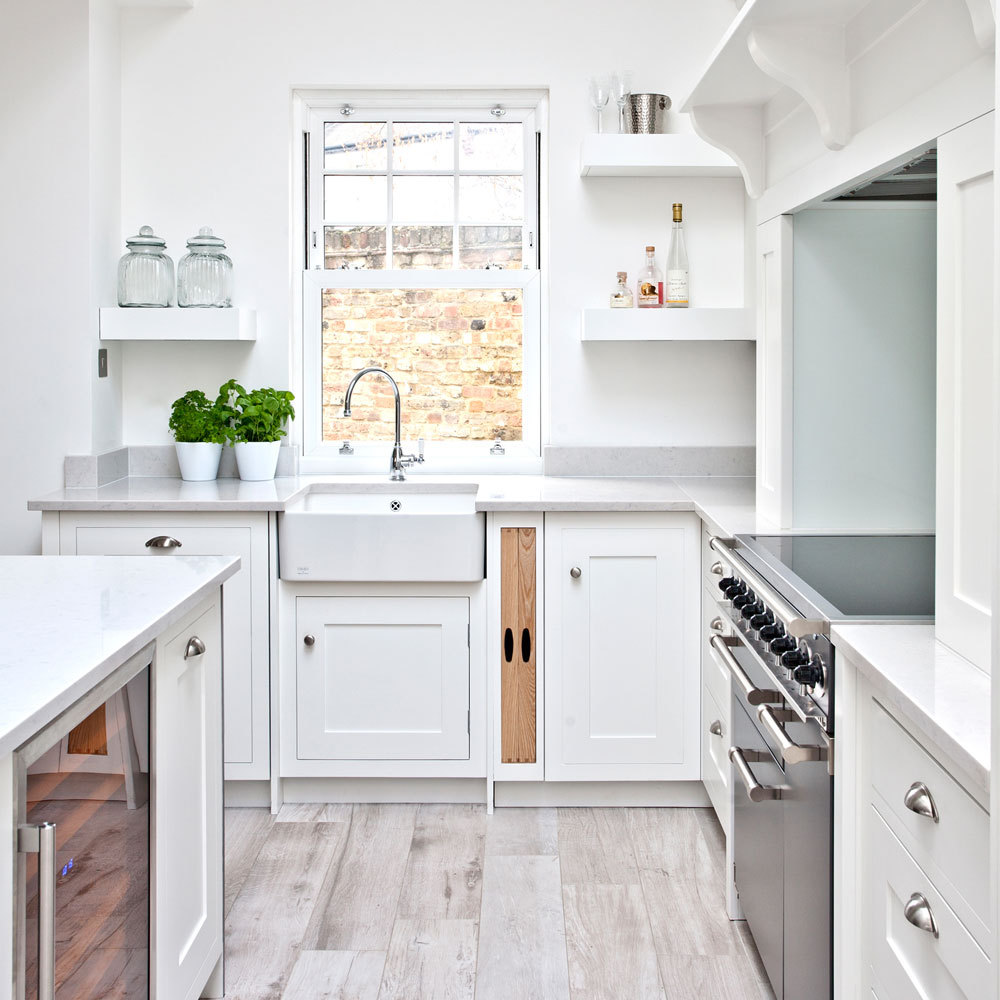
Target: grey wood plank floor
442, 902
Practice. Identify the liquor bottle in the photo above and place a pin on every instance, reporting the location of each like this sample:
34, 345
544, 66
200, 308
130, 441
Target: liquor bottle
677, 265
621, 297
650, 285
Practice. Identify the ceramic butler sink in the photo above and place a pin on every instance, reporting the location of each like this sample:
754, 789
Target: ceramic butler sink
395, 532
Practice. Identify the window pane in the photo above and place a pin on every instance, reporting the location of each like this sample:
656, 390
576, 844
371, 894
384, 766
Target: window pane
354, 199
457, 354
423, 199
490, 147
423, 146
422, 246
354, 146
482, 245
490, 199
354, 246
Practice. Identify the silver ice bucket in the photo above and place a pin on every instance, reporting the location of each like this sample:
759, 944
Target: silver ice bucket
644, 113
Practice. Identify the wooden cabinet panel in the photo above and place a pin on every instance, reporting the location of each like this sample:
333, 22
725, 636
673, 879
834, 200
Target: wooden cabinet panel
518, 743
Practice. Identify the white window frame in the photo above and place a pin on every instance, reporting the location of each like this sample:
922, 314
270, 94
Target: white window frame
444, 456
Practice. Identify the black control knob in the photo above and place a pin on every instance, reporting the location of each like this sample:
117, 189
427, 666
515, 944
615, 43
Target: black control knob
782, 645
760, 622
752, 609
794, 658
809, 674
742, 600
726, 582
733, 591
769, 632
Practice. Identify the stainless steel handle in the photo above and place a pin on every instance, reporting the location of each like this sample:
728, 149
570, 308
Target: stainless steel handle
40, 839
310, 640
163, 542
717, 568
715, 728
918, 912
753, 695
918, 799
576, 572
791, 752
717, 625
756, 792
795, 624
194, 647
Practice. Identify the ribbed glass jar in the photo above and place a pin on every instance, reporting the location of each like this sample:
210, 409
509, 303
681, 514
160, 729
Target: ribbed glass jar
145, 273
205, 273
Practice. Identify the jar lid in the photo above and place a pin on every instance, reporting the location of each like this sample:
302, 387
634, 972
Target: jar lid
145, 238
206, 238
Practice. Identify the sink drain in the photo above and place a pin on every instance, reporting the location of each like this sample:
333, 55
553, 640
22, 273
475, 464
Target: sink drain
395, 504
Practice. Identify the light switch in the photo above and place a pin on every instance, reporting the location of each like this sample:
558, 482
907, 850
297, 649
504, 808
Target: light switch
102, 362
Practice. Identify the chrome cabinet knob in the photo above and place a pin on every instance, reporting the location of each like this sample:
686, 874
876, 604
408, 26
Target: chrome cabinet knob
310, 640
576, 572
162, 542
918, 799
918, 912
195, 647
716, 728
717, 569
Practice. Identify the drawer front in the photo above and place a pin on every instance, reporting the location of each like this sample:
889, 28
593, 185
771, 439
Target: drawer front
714, 675
955, 849
714, 759
712, 569
908, 961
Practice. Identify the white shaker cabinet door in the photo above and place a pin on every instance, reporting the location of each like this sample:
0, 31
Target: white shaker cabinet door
187, 816
623, 682
382, 678
966, 498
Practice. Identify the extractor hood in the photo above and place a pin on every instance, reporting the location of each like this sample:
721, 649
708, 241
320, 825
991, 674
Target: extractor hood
915, 180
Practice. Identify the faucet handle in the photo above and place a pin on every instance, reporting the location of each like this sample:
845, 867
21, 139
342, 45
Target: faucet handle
420, 449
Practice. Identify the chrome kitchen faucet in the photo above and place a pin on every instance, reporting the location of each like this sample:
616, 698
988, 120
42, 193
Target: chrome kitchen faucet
399, 461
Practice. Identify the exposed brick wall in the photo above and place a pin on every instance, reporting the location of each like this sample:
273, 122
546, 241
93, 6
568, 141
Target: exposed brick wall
456, 354
422, 246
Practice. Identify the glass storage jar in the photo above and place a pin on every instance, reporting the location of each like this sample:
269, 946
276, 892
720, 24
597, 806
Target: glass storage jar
145, 273
205, 273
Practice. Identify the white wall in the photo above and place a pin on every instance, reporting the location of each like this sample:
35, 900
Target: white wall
864, 368
206, 136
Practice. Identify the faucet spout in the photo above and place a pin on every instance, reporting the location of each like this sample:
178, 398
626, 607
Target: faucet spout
398, 461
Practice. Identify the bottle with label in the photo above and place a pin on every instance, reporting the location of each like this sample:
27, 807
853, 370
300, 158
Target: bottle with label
621, 297
677, 264
650, 285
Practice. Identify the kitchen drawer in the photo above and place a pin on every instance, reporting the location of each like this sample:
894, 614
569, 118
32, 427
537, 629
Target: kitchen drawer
715, 677
715, 766
955, 849
907, 961
712, 568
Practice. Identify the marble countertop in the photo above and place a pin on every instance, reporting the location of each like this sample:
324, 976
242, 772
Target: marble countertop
940, 692
69, 623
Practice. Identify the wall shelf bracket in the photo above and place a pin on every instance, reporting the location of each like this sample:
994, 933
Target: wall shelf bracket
738, 131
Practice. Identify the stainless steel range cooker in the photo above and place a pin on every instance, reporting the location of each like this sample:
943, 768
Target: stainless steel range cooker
780, 594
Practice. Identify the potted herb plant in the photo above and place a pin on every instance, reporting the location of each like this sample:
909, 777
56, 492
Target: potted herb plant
259, 419
200, 427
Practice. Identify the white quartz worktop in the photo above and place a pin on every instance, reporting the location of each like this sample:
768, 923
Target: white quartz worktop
69, 623
943, 694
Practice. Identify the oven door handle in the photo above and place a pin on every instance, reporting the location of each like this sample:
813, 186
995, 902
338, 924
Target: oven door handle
756, 792
40, 839
754, 695
791, 752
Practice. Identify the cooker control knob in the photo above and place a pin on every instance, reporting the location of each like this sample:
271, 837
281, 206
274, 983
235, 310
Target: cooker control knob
742, 600
782, 645
769, 632
752, 609
760, 622
809, 674
730, 592
726, 582
794, 658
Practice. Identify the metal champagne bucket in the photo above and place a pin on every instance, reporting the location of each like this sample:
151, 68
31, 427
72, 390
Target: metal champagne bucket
644, 113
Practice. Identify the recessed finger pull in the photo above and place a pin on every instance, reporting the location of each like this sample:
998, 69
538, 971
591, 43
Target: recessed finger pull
918, 799
195, 647
508, 645
310, 640
525, 645
576, 572
918, 912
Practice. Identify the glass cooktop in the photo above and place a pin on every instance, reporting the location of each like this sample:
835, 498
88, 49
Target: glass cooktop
849, 576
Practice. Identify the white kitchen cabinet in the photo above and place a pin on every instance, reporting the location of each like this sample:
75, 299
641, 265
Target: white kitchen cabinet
245, 605
966, 497
382, 678
186, 854
622, 684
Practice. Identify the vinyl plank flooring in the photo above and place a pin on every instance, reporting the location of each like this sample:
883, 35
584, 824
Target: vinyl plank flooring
444, 870
336, 975
595, 848
670, 840
266, 925
523, 831
360, 893
522, 940
246, 831
718, 978
609, 944
431, 959
315, 812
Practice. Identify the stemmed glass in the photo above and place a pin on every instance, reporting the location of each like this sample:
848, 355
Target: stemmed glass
621, 87
599, 88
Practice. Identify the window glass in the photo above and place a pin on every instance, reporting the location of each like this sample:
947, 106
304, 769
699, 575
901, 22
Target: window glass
349, 198
355, 145
485, 146
423, 146
495, 198
423, 199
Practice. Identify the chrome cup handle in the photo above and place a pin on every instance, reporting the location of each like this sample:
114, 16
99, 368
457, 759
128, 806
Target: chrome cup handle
918, 799
918, 912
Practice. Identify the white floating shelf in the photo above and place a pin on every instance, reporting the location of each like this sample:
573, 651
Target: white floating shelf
679, 154
178, 324
668, 324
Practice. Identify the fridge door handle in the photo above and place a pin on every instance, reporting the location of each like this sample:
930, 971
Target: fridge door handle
40, 839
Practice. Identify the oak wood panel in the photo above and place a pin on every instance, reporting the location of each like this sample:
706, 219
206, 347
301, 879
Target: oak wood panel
91, 735
517, 678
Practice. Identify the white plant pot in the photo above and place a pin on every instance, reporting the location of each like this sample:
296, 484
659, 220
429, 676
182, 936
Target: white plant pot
199, 460
257, 460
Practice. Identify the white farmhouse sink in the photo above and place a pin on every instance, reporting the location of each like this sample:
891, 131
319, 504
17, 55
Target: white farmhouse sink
394, 532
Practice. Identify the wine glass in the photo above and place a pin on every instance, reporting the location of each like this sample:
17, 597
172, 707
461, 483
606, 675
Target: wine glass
599, 88
621, 87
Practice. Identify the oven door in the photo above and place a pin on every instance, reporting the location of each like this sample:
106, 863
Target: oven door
758, 834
